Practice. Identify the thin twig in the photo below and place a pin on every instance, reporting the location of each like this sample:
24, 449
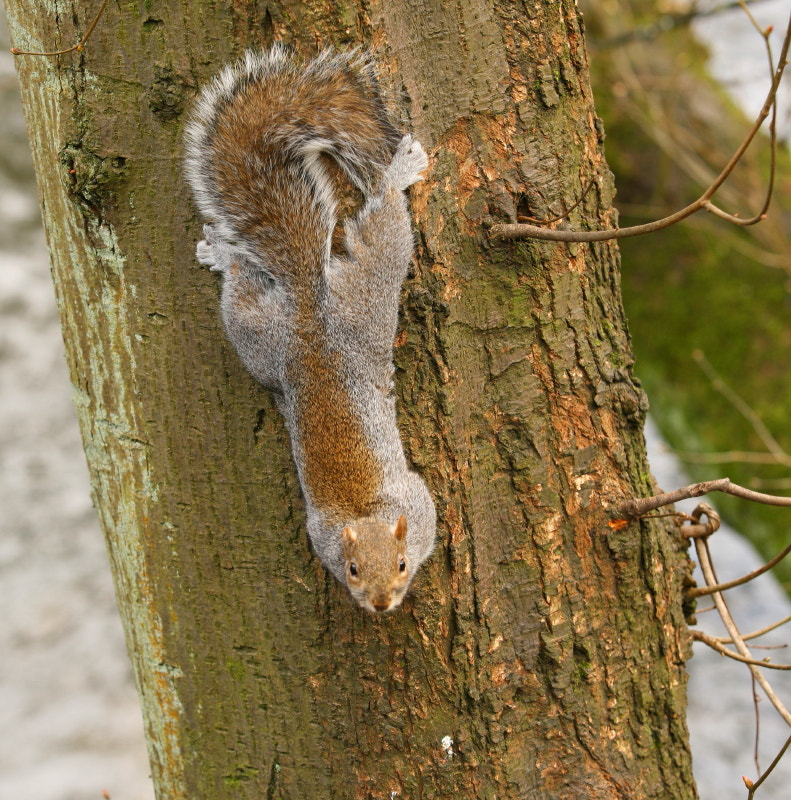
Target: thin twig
756, 700
743, 655
754, 634
78, 47
563, 216
712, 642
776, 454
734, 218
666, 23
734, 457
754, 785
520, 230
704, 559
699, 591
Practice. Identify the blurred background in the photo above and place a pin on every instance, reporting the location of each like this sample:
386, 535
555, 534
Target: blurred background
701, 298
705, 296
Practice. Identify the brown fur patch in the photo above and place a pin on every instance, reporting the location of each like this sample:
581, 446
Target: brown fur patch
341, 472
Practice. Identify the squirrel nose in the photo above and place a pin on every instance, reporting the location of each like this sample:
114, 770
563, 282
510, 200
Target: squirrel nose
380, 604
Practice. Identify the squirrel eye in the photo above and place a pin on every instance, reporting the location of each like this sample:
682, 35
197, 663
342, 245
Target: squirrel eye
401, 565
352, 569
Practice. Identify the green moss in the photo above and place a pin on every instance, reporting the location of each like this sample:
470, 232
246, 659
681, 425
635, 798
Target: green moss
244, 774
236, 669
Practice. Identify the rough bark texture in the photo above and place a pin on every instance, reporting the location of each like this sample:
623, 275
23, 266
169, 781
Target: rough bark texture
548, 647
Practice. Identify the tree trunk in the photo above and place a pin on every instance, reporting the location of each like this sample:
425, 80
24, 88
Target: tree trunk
541, 654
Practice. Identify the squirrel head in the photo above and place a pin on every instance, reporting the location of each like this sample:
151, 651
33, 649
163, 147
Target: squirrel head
377, 567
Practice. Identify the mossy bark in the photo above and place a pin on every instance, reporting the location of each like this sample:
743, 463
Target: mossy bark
541, 654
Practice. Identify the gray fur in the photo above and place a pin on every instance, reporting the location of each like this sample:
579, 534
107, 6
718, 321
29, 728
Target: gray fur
352, 300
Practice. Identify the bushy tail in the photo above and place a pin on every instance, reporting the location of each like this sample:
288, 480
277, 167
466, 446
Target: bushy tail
254, 147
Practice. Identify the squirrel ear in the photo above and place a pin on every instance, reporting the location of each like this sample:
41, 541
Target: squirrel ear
348, 534
400, 528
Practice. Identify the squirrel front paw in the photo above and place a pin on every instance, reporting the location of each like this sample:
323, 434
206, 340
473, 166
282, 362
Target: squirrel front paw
408, 163
211, 253
204, 252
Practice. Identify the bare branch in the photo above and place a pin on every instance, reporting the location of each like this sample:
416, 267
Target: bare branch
520, 230
756, 700
712, 642
754, 785
632, 509
668, 22
775, 455
704, 559
698, 529
737, 639
754, 634
734, 457
584, 194
78, 47
699, 591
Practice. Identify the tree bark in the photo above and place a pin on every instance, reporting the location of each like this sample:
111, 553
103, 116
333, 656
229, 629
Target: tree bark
541, 654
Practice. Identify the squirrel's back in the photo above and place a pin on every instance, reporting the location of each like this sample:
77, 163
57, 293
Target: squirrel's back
255, 143
267, 144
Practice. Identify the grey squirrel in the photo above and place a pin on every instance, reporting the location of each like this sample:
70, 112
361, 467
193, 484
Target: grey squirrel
318, 328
